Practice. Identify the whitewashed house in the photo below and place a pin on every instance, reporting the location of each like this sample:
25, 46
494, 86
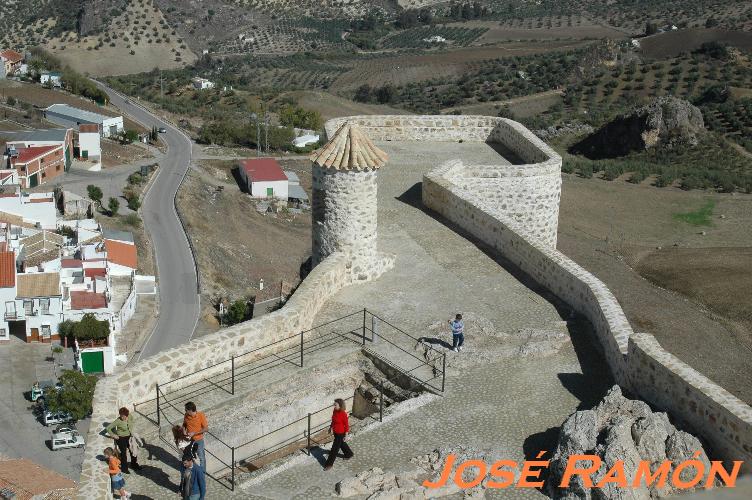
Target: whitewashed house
51, 78
39, 304
264, 178
202, 83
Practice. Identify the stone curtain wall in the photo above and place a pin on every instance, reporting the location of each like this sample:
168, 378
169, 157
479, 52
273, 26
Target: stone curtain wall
138, 383
528, 193
637, 361
695, 400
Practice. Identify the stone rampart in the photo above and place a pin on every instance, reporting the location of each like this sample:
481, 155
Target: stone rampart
138, 383
529, 192
637, 361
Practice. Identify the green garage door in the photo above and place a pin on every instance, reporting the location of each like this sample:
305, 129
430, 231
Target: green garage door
34, 180
92, 362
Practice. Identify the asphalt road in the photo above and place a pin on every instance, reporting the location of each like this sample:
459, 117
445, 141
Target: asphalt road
178, 293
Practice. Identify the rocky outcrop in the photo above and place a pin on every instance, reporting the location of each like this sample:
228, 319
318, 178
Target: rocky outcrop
375, 484
666, 122
627, 430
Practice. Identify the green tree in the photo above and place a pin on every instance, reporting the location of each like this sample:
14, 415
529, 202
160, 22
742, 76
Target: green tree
95, 194
236, 313
113, 205
651, 28
11, 101
76, 395
89, 328
130, 136
134, 203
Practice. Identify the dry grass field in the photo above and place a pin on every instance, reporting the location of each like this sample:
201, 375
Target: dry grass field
672, 43
138, 40
331, 106
41, 97
400, 70
576, 28
235, 255
684, 283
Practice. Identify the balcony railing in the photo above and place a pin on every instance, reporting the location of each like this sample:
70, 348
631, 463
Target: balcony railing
11, 315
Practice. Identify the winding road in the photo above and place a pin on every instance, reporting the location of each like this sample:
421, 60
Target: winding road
179, 300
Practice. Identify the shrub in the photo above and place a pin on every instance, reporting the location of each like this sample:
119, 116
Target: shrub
586, 170
113, 205
132, 220
236, 313
134, 203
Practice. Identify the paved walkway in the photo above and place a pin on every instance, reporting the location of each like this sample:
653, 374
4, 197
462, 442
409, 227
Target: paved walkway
496, 399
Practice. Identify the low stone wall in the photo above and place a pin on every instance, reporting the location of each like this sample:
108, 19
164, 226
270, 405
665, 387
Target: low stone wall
529, 193
637, 361
138, 383
693, 400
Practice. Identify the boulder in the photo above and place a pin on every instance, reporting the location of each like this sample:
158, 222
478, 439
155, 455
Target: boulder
665, 122
621, 430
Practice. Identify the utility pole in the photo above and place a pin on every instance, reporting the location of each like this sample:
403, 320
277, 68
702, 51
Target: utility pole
266, 131
254, 117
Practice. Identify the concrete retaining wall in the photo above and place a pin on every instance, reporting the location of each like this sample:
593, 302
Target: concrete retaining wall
637, 361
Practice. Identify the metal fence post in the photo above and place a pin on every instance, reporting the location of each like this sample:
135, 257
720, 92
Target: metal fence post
232, 368
301, 349
374, 328
232, 473
364, 326
308, 446
158, 419
443, 372
381, 402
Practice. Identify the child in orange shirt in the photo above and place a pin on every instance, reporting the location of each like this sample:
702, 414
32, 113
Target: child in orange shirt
116, 477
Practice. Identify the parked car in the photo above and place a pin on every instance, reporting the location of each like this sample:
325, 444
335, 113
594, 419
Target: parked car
71, 439
37, 390
57, 417
63, 429
162, 130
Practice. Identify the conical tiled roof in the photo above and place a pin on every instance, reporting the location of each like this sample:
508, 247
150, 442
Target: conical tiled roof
349, 149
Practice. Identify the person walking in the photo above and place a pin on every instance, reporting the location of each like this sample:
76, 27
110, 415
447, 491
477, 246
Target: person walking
113, 468
192, 479
196, 425
121, 430
340, 426
458, 332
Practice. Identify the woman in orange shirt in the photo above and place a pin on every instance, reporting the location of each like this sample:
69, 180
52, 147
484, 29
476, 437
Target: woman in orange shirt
116, 477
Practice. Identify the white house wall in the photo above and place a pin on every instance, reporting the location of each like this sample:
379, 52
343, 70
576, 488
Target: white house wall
258, 189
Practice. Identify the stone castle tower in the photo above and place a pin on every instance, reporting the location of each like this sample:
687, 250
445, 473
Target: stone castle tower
345, 203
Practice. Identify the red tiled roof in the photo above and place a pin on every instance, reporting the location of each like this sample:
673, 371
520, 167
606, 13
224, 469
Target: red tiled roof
263, 169
88, 300
88, 128
71, 263
92, 272
12, 55
124, 254
26, 155
27, 479
7, 269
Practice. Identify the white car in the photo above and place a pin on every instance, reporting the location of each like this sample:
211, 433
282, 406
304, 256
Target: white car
59, 417
70, 439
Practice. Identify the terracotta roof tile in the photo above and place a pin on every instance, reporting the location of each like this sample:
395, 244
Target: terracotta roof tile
26, 155
349, 149
124, 254
7, 269
88, 300
263, 169
28, 478
92, 272
71, 263
32, 285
